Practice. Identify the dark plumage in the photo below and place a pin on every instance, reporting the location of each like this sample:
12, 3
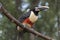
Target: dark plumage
24, 16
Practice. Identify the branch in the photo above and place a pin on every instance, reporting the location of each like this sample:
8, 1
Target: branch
10, 17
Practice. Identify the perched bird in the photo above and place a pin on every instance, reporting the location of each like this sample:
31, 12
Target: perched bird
30, 17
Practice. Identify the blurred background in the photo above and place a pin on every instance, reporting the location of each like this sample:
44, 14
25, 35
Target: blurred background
47, 24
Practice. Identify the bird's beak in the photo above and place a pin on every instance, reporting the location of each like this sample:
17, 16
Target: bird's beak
43, 8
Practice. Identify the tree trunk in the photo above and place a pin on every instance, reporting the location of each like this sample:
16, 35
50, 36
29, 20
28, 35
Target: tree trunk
58, 15
18, 10
18, 7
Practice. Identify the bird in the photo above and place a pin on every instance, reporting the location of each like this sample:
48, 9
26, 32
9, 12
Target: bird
30, 18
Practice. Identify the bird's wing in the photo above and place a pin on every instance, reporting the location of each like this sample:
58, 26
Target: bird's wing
24, 16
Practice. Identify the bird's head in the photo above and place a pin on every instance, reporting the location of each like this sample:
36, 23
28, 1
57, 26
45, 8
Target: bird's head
36, 10
41, 8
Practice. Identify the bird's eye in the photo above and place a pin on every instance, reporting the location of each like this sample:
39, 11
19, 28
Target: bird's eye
37, 9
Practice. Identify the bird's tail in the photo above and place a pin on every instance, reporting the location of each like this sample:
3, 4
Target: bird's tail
20, 36
20, 33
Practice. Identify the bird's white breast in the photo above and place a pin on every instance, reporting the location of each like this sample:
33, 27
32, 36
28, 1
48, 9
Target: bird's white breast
33, 17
